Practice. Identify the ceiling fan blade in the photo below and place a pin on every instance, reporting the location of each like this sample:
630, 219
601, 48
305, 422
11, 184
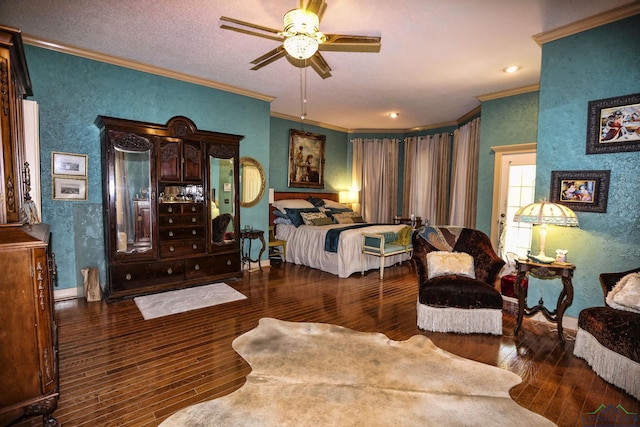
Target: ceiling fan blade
269, 57
252, 33
249, 24
344, 43
321, 67
267, 33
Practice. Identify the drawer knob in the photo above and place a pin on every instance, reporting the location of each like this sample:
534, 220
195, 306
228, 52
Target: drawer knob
169, 271
194, 246
171, 234
194, 232
170, 220
193, 208
128, 276
171, 249
170, 209
197, 267
194, 219
228, 262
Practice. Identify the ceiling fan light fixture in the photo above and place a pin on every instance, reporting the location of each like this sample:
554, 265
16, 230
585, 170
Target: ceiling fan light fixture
301, 46
301, 32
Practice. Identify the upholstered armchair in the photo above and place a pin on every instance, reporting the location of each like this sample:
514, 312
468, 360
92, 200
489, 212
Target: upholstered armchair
608, 338
456, 282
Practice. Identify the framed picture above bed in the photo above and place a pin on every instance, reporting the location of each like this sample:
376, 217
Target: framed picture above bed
306, 159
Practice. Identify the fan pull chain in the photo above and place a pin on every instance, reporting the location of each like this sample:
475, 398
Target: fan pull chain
303, 93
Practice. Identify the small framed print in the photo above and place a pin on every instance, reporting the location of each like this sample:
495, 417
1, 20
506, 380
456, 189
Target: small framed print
66, 188
585, 191
613, 125
69, 164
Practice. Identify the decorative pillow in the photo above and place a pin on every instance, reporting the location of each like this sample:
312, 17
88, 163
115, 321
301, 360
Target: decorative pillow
296, 217
279, 214
285, 221
403, 237
330, 204
283, 205
310, 218
625, 295
347, 218
323, 221
316, 201
441, 263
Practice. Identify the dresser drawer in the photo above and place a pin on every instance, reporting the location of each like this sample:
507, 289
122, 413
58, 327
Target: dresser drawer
182, 233
181, 220
133, 276
181, 208
212, 265
181, 248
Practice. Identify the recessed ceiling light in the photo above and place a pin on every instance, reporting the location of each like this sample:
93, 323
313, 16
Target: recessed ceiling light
511, 69
393, 115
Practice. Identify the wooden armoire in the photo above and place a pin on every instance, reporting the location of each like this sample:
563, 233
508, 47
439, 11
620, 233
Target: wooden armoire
28, 335
171, 205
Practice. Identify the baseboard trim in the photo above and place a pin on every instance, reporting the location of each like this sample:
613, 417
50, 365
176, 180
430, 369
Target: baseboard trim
64, 294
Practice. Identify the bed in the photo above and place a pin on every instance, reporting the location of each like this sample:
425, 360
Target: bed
306, 243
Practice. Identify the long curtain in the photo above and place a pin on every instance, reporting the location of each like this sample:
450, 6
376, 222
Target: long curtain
375, 174
426, 177
464, 175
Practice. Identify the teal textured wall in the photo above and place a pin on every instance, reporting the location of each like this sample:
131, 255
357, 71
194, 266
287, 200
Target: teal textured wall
596, 64
504, 121
72, 91
337, 176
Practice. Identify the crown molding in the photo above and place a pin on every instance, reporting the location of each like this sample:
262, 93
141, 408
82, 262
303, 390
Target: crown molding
613, 15
309, 122
469, 115
139, 66
510, 92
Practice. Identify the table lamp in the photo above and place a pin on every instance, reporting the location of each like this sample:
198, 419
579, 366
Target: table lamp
543, 213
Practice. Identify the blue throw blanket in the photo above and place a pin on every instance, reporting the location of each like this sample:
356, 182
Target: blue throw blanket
333, 236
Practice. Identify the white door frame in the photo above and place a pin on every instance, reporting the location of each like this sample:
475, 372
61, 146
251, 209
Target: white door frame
500, 151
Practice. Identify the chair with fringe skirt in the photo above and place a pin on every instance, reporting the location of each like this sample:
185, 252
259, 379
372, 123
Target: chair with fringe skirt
457, 269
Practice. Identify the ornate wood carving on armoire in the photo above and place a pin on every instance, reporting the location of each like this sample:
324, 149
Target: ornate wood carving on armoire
28, 335
171, 205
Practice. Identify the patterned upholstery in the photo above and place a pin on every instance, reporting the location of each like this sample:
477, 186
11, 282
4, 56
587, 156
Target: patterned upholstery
453, 303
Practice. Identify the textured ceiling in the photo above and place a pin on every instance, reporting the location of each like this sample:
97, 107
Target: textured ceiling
437, 56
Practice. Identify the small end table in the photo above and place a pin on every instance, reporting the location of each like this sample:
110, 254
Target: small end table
246, 234
554, 270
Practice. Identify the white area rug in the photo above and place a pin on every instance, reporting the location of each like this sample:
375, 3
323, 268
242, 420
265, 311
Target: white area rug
315, 374
172, 302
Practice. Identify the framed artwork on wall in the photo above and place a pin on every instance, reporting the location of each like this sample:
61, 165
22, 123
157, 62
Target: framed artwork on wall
68, 188
585, 191
69, 164
613, 125
306, 159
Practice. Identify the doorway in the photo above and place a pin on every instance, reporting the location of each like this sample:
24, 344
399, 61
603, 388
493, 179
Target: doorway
514, 187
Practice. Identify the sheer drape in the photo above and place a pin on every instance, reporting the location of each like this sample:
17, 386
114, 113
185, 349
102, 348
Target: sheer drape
426, 177
375, 174
464, 175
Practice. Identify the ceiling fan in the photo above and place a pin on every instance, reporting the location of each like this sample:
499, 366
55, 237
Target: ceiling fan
302, 40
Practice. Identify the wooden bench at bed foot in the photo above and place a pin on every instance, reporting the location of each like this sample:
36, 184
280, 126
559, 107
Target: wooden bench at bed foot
379, 245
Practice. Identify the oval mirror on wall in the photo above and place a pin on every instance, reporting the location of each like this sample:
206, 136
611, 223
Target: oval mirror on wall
252, 182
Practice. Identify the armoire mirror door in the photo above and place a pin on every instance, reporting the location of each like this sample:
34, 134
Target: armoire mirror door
223, 197
131, 196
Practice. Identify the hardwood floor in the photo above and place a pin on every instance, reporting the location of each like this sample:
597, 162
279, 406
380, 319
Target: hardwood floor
118, 369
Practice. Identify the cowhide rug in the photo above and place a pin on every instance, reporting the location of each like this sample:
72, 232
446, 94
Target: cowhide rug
314, 374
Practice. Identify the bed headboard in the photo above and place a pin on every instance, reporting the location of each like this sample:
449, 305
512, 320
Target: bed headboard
282, 195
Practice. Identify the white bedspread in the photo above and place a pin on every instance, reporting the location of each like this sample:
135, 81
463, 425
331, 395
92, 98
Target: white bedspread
305, 246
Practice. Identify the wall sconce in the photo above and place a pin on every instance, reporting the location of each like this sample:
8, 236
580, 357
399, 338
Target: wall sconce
271, 196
